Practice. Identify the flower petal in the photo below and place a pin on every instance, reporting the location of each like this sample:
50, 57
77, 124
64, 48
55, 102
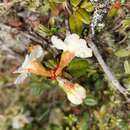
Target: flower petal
77, 46
71, 38
58, 43
77, 95
81, 49
75, 92
37, 68
81, 91
21, 69
74, 99
21, 78
37, 53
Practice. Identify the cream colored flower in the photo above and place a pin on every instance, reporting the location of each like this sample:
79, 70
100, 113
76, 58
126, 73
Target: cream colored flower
32, 64
73, 44
20, 120
75, 92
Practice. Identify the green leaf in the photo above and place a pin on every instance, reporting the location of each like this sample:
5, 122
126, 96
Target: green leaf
127, 67
39, 85
75, 2
85, 122
50, 63
123, 126
122, 53
75, 25
123, 1
33, 5
83, 16
91, 101
43, 31
78, 67
53, 7
112, 12
36, 90
126, 23
88, 6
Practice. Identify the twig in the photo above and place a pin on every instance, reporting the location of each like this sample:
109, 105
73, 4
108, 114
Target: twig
106, 69
8, 85
98, 16
32, 37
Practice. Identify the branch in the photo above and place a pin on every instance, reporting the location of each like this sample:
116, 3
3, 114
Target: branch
106, 69
98, 16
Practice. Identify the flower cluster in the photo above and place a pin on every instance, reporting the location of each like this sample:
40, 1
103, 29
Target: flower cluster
72, 47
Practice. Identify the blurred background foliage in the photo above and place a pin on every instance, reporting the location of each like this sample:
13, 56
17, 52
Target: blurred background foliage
40, 99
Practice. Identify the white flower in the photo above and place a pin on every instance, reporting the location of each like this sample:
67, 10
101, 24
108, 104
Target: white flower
38, 54
20, 120
73, 44
75, 92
